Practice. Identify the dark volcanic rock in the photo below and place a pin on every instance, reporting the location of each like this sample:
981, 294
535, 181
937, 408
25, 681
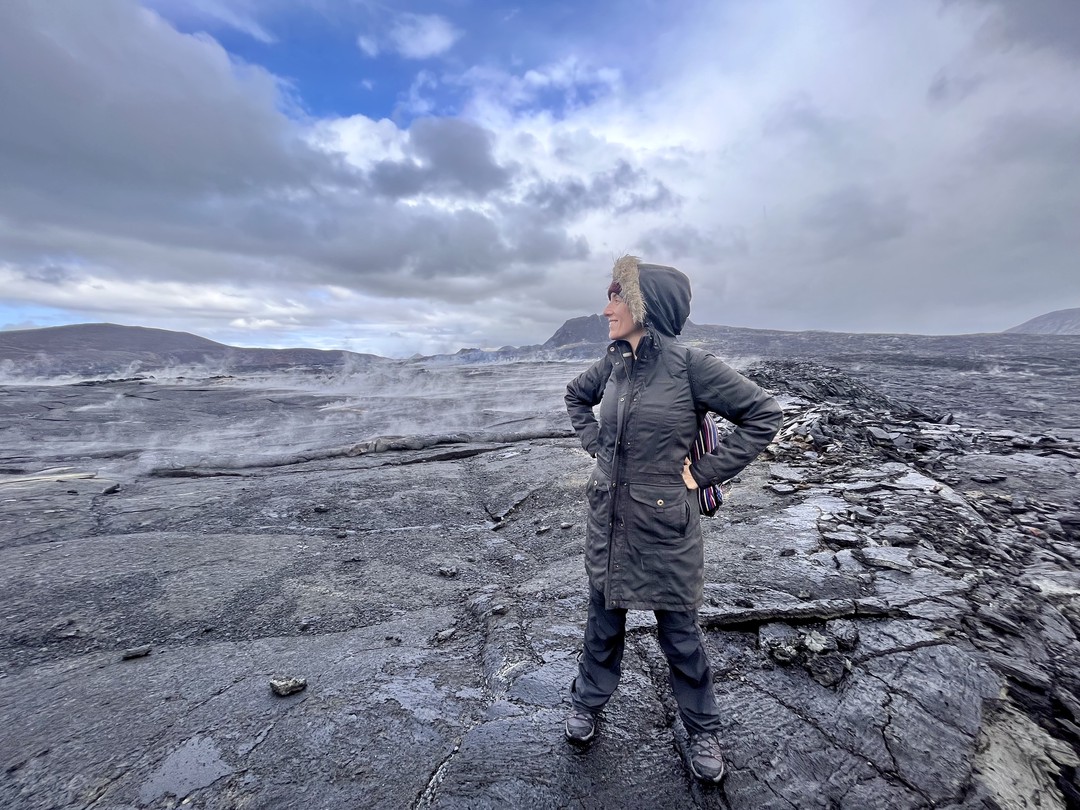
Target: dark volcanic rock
827, 669
946, 678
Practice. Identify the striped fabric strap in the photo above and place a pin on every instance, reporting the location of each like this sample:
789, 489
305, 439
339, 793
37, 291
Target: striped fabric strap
709, 498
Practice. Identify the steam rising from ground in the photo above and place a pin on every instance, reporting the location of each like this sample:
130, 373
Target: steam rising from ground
185, 420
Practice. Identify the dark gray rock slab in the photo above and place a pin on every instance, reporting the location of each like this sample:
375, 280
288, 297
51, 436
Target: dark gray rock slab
261, 532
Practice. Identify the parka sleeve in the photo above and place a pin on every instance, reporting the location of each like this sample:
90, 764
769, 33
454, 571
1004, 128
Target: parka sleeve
756, 415
582, 394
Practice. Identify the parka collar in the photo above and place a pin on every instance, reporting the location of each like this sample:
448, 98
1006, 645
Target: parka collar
650, 345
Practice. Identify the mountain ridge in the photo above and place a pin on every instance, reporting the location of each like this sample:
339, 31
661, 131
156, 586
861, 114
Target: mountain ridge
1058, 322
108, 348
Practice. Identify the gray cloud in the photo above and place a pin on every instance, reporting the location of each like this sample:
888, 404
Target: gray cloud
1040, 138
154, 108
951, 88
622, 189
855, 217
1037, 23
683, 240
48, 273
798, 115
799, 126
452, 156
160, 156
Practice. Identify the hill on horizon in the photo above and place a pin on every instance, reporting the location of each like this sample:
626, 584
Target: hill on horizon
109, 348
1058, 322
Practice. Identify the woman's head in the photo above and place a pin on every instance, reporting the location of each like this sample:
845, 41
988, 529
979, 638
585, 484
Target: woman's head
653, 294
621, 323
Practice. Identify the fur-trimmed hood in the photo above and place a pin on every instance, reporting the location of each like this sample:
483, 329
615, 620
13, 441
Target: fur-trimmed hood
657, 295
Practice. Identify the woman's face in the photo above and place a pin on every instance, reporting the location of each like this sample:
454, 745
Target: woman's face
621, 324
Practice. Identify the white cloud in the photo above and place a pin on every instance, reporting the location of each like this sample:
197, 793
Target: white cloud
419, 101
412, 36
422, 36
359, 139
368, 44
96, 290
240, 15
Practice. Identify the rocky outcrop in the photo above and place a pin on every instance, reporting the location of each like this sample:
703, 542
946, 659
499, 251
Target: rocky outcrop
586, 329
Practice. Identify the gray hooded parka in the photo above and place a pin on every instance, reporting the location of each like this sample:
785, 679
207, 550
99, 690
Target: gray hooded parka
643, 545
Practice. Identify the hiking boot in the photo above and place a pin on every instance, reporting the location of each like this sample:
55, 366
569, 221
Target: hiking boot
706, 759
580, 726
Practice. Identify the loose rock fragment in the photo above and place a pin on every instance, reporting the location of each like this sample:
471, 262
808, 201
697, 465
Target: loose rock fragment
828, 670
879, 435
445, 635
781, 641
448, 571
136, 652
863, 515
844, 539
287, 686
1070, 524
898, 559
784, 473
112, 489
845, 631
817, 642
897, 534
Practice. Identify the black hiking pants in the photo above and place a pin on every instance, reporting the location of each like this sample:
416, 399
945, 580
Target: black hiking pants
689, 672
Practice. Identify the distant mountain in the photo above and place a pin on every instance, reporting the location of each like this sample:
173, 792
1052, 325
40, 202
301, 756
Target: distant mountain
586, 329
109, 349
1060, 322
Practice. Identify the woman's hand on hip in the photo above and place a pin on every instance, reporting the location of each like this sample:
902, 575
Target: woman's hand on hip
687, 478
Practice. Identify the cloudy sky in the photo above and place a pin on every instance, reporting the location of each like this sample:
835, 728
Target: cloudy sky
400, 177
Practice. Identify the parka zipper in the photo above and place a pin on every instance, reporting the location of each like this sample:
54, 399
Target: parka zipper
620, 420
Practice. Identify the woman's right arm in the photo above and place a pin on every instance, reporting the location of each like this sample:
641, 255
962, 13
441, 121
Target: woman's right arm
583, 394
756, 415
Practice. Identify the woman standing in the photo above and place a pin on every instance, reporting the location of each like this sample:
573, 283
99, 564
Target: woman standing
643, 547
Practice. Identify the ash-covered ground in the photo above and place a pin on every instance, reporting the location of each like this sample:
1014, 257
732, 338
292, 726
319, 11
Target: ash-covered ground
893, 597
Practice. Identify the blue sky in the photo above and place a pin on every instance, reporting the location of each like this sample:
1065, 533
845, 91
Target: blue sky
348, 59
419, 177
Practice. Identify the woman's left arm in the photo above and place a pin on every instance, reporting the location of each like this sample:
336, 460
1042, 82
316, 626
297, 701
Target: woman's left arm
756, 415
582, 395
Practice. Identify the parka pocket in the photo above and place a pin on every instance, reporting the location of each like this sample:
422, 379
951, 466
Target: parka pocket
598, 495
599, 488
659, 512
